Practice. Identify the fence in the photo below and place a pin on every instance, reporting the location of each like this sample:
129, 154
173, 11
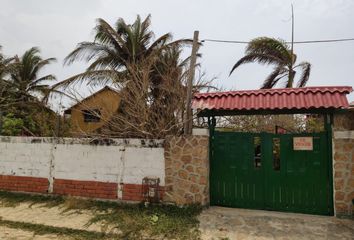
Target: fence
110, 169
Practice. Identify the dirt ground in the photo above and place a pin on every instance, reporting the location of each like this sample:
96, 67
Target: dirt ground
7, 233
215, 223
234, 224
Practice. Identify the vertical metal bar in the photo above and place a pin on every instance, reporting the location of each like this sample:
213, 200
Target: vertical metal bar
328, 120
1, 115
211, 125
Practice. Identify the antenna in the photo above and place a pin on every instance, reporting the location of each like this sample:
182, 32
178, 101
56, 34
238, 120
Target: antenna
291, 71
292, 30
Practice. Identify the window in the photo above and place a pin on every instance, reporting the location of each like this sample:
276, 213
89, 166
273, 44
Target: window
93, 115
276, 154
257, 152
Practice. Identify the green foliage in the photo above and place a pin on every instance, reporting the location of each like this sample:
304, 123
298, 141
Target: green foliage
31, 120
26, 77
276, 52
21, 87
314, 123
148, 70
267, 123
167, 221
11, 126
115, 48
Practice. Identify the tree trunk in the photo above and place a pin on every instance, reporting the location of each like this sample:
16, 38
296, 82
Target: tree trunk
291, 78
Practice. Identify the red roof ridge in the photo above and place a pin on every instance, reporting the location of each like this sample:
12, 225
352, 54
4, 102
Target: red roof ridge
323, 97
273, 91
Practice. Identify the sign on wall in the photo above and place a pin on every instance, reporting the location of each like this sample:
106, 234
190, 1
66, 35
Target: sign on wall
303, 143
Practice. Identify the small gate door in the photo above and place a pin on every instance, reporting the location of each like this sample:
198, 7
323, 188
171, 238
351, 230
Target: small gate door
235, 181
264, 171
297, 180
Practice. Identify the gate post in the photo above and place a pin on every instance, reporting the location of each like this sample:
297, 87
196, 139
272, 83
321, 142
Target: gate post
211, 124
328, 121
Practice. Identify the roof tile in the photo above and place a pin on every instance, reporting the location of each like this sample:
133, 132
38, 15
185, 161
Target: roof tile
272, 99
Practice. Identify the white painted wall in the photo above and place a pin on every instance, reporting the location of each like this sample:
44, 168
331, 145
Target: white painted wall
124, 161
23, 159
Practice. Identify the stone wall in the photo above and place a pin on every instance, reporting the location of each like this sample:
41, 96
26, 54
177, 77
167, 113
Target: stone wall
343, 163
344, 121
343, 172
187, 170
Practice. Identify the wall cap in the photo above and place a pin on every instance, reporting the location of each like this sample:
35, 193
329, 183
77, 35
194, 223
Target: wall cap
343, 135
126, 142
200, 132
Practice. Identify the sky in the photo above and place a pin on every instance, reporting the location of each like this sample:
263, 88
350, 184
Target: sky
57, 26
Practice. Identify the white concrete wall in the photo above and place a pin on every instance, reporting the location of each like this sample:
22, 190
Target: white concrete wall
122, 161
22, 159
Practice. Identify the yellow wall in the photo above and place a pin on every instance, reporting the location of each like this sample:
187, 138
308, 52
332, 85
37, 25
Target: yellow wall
107, 101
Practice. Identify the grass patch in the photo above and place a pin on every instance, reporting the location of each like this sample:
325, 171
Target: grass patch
39, 229
11, 199
134, 221
162, 221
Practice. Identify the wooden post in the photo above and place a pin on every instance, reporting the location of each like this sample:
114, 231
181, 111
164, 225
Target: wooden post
188, 124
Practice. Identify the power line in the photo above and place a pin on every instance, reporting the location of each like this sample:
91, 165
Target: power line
295, 42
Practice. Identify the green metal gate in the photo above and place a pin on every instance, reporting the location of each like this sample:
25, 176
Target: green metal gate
263, 171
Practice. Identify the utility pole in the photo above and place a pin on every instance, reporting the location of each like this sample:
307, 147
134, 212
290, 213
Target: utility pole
188, 123
1, 121
291, 73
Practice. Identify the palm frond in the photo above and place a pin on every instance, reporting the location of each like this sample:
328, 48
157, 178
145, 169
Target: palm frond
96, 77
50, 92
269, 82
105, 34
276, 80
161, 41
107, 62
39, 66
49, 77
306, 69
87, 51
269, 46
260, 58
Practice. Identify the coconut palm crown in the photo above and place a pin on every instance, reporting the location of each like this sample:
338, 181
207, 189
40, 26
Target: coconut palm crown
116, 47
26, 76
270, 51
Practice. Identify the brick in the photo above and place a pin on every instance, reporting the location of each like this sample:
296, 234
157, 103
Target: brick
81, 188
24, 184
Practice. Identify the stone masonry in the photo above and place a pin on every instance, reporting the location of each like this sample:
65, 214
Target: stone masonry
343, 174
187, 170
343, 164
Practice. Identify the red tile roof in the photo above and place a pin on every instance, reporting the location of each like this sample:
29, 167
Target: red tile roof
274, 99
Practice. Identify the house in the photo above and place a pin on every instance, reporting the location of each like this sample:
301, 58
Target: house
93, 112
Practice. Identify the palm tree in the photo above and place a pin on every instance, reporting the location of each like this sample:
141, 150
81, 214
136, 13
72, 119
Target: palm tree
7, 91
114, 48
3, 65
25, 78
275, 52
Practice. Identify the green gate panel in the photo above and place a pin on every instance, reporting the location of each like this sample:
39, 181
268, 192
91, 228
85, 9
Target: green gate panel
282, 178
234, 181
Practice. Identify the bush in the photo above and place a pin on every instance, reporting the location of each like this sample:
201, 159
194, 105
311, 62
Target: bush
11, 126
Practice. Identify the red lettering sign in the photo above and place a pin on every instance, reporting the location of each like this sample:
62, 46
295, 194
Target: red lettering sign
303, 143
